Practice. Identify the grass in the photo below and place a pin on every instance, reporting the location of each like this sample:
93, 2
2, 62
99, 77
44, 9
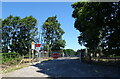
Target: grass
12, 68
46, 59
107, 64
0, 58
104, 62
17, 67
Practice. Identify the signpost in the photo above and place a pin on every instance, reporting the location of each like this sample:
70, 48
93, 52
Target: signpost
32, 47
37, 48
55, 55
97, 54
91, 54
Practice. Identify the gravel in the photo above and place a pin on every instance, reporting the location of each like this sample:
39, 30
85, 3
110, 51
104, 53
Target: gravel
65, 67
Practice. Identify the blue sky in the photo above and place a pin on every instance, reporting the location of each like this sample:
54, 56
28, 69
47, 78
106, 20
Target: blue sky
41, 11
41, 0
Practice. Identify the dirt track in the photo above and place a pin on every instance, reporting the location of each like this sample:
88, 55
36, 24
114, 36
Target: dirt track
65, 67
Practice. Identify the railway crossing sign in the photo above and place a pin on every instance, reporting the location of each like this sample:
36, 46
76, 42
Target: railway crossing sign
37, 45
32, 45
55, 55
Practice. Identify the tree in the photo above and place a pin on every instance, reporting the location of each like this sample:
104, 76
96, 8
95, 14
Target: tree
69, 52
98, 24
18, 34
58, 44
6, 33
52, 34
28, 31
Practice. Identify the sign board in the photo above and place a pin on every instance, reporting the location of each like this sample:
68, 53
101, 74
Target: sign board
55, 55
37, 45
32, 45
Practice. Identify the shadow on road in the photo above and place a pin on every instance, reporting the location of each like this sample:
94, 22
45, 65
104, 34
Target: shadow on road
74, 68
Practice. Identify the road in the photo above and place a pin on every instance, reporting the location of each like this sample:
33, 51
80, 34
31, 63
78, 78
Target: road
65, 67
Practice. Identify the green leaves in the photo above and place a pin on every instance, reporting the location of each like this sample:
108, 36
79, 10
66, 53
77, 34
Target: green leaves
58, 44
97, 23
52, 33
69, 52
18, 33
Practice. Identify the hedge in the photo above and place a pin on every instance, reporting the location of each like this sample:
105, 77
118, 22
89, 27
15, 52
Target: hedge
10, 58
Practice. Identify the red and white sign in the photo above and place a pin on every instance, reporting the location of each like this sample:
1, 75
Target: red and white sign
55, 55
37, 45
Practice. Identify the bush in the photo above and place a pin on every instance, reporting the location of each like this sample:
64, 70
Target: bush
69, 52
10, 58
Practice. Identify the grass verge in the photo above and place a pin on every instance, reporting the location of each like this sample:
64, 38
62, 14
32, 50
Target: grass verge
12, 68
4, 69
46, 59
104, 63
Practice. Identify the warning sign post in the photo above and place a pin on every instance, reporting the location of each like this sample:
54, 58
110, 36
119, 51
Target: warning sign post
55, 55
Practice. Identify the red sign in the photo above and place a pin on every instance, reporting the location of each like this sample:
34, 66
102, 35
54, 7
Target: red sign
37, 45
55, 55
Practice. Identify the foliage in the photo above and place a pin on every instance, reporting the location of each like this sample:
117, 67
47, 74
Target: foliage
69, 52
99, 25
52, 34
10, 58
58, 44
18, 33
12, 68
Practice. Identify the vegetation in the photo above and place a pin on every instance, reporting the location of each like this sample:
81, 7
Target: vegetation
12, 68
11, 58
69, 52
99, 26
18, 33
52, 34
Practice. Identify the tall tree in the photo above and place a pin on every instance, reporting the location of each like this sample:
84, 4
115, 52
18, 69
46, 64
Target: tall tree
58, 44
18, 33
98, 24
52, 33
6, 33
28, 31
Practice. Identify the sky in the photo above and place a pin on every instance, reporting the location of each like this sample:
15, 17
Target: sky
59, 0
41, 11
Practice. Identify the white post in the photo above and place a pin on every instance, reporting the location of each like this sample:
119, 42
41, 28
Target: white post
97, 54
63, 54
91, 54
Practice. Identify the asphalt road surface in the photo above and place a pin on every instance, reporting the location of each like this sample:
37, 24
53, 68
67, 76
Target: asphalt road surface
65, 67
